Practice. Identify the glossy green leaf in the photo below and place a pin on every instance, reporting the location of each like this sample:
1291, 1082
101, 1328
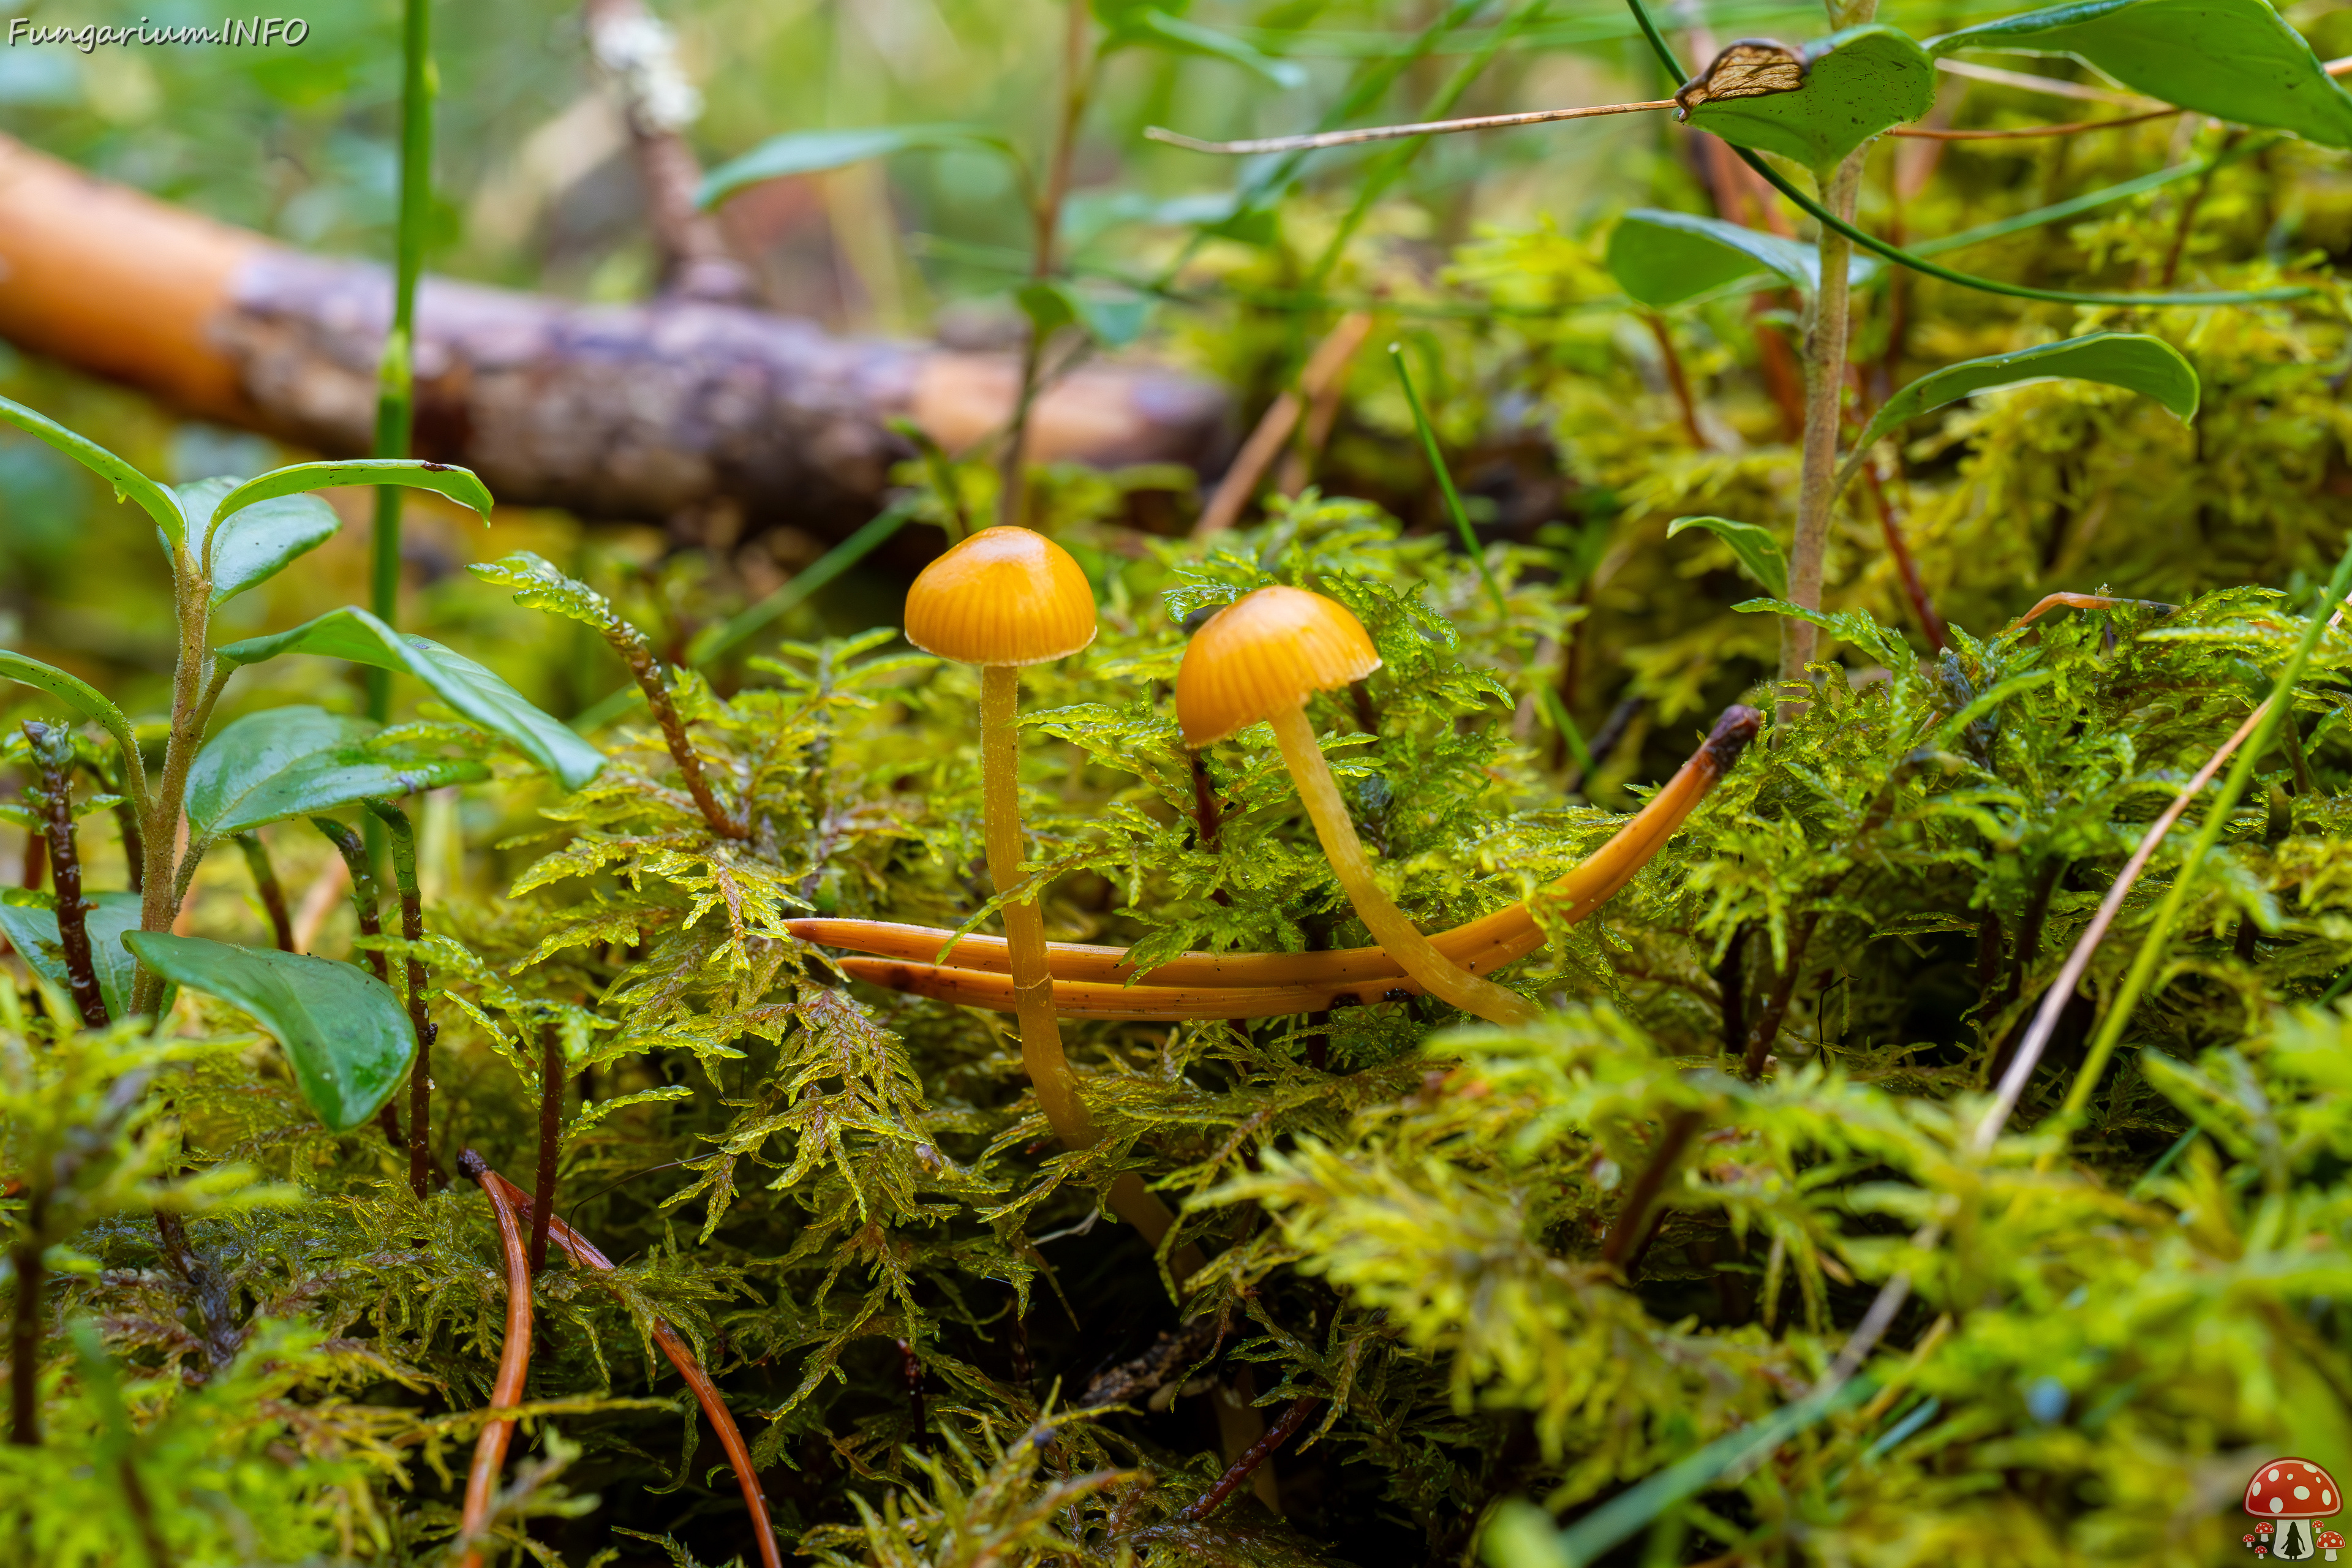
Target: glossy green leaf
31, 926
539, 585
261, 540
1668, 258
343, 1031
239, 760
1758, 553
813, 152
286, 761
2132, 360
129, 483
2233, 59
1815, 104
460, 485
478, 696
72, 691
1153, 25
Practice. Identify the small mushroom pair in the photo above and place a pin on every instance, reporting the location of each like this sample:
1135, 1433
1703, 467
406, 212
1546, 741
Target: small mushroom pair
1006, 598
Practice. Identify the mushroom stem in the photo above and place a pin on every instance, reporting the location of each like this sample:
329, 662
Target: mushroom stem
1024, 941
1395, 933
1024, 922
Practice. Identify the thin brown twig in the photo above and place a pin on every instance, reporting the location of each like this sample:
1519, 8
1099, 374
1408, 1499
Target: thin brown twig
53, 752
514, 1363
272, 891
1397, 132
1276, 426
1931, 623
646, 669
550, 1129
586, 1255
1257, 1454
1676, 377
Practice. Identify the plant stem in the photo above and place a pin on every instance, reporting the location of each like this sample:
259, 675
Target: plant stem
1077, 86
1675, 377
1827, 319
53, 751
639, 655
1396, 935
273, 893
395, 407
514, 1365
24, 1329
36, 861
412, 926
1931, 625
1259, 1452
550, 1129
196, 687
1627, 1239
1024, 922
366, 904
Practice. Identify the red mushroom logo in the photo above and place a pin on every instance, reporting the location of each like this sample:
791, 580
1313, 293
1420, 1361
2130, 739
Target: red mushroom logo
2288, 1495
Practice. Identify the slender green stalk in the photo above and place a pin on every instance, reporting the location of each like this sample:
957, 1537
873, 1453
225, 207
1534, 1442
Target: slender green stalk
396, 408
1445, 482
2217, 818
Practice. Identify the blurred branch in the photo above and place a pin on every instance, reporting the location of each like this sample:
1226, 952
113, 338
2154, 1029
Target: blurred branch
639, 54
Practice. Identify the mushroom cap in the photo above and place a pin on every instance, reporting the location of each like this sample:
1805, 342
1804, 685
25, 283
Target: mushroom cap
1265, 652
2293, 1489
1005, 595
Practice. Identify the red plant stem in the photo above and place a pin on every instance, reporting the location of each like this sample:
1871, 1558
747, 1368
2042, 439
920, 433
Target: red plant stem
1629, 1239
36, 860
514, 1361
1258, 1453
585, 1253
550, 1128
1931, 625
53, 751
1675, 377
272, 891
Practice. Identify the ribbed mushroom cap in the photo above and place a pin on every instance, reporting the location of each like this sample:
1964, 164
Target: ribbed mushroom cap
1005, 595
1268, 652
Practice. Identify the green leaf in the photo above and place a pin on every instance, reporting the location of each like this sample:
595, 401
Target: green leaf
129, 483
2233, 59
1668, 258
1153, 24
1815, 104
813, 152
344, 1030
32, 928
478, 696
1758, 553
1114, 319
74, 692
261, 541
2130, 360
539, 585
460, 485
286, 761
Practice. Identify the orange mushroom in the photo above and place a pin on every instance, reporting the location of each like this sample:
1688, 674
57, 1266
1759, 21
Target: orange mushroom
1259, 659
1002, 599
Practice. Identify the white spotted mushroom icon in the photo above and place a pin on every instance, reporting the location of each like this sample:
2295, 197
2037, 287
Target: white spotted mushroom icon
2292, 1495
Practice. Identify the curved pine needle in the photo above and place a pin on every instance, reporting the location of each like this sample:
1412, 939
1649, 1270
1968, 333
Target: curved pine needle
1097, 981
587, 1254
514, 1363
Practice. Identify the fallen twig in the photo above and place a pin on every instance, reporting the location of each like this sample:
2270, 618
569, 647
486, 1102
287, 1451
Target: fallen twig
1259, 1452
